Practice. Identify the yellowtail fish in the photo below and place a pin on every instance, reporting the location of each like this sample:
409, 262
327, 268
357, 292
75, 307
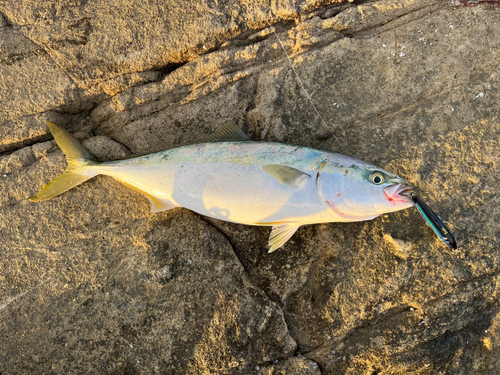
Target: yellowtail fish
233, 178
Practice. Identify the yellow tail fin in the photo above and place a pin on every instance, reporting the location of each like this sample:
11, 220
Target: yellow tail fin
78, 159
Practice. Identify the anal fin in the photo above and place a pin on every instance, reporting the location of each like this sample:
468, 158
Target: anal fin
157, 204
280, 234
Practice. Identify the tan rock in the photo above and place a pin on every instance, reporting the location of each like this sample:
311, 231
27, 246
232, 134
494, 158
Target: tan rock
91, 281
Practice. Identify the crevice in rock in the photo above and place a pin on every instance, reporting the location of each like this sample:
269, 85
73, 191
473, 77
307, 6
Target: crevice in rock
169, 68
463, 284
440, 349
54, 61
131, 153
255, 36
489, 308
383, 25
471, 3
410, 106
378, 320
3, 21
245, 39
17, 129
13, 58
392, 24
13, 147
209, 222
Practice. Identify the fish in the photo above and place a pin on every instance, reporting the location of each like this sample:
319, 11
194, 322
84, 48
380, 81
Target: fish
230, 177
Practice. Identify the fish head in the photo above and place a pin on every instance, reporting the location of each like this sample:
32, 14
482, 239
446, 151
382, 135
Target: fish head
357, 191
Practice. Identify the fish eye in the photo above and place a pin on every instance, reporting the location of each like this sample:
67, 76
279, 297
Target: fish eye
377, 178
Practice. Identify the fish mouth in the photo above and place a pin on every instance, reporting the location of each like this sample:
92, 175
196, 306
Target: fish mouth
399, 193
405, 190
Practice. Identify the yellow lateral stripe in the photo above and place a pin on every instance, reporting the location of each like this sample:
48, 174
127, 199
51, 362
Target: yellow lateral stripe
271, 223
153, 198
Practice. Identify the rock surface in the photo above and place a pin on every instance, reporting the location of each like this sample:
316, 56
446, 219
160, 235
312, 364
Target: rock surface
92, 282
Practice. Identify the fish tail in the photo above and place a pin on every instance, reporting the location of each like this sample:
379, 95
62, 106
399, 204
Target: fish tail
79, 159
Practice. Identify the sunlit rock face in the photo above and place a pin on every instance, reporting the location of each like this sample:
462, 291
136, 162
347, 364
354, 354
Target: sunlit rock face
93, 282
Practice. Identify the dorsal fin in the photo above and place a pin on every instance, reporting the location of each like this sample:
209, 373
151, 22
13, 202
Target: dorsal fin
227, 133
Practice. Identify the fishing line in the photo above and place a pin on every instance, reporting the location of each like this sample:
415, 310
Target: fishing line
300, 81
437, 225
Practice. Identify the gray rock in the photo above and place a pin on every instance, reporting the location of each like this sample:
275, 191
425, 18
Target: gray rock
3, 21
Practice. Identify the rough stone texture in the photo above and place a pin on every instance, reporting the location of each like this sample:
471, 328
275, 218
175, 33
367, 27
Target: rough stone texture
92, 282
292, 365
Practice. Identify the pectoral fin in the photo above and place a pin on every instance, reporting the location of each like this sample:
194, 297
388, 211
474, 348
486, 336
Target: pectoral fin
280, 234
287, 176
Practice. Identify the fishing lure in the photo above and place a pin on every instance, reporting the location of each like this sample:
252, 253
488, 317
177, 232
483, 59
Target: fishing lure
435, 222
231, 178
